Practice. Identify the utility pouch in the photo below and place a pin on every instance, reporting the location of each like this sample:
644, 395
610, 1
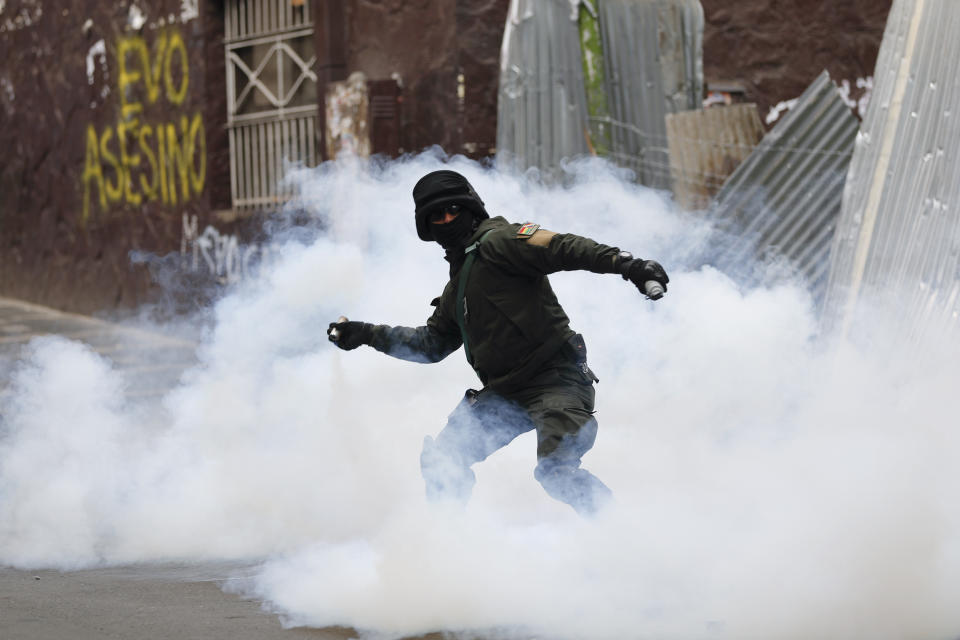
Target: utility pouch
576, 350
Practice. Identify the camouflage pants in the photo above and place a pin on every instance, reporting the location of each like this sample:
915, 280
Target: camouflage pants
559, 408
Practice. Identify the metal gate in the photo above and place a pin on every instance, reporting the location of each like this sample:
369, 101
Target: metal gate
272, 111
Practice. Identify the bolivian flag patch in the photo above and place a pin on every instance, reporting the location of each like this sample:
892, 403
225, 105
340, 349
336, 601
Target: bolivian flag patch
527, 229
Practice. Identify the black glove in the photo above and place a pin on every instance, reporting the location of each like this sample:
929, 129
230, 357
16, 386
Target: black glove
639, 271
349, 335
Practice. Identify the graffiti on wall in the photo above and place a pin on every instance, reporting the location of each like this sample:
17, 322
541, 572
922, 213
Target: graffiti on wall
189, 10
98, 51
136, 18
141, 159
218, 254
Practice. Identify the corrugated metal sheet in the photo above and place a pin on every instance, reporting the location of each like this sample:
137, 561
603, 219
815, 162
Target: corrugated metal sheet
653, 52
785, 198
542, 113
706, 146
899, 234
651, 64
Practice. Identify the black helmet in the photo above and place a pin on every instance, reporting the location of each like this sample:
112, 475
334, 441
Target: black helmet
439, 188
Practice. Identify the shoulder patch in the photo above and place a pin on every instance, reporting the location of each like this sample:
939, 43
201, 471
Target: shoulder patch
527, 229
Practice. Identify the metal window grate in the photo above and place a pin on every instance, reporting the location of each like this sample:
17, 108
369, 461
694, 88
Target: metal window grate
247, 19
272, 110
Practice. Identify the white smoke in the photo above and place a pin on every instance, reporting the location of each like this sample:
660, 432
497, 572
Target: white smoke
768, 484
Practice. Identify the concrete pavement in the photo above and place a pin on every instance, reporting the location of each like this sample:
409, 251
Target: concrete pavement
141, 603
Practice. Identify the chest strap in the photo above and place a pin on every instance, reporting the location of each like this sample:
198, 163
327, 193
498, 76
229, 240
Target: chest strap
471, 254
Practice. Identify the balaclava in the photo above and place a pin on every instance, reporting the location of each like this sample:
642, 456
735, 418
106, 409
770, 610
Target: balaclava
439, 189
454, 234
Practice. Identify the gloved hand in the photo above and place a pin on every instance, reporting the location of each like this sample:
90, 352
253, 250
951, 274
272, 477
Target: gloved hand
349, 335
639, 271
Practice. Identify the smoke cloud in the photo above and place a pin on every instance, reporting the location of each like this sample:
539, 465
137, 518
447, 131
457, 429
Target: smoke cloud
768, 483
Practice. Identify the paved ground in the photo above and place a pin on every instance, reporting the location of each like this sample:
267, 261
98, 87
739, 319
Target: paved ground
143, 602
137, 603
151, 362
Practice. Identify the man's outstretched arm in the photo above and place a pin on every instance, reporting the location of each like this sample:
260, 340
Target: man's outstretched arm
415, 344
544, 252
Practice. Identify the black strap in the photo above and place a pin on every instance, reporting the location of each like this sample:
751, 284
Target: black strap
471, 254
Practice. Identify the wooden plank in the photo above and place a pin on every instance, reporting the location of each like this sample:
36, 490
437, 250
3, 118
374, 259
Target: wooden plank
706, 145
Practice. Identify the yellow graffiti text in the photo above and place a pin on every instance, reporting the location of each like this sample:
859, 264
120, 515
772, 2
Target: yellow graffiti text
140, 159
141, 72
133, 163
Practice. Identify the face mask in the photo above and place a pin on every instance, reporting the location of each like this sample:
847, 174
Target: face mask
454, 234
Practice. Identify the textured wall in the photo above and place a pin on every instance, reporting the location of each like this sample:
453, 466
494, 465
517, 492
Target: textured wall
776, 48
414, 41
101, 160
427, 45
480, 26
109, 136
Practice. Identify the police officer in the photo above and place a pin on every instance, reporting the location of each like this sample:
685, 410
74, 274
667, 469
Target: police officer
499, 305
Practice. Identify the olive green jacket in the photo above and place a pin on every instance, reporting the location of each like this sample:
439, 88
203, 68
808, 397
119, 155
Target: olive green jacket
514, 323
